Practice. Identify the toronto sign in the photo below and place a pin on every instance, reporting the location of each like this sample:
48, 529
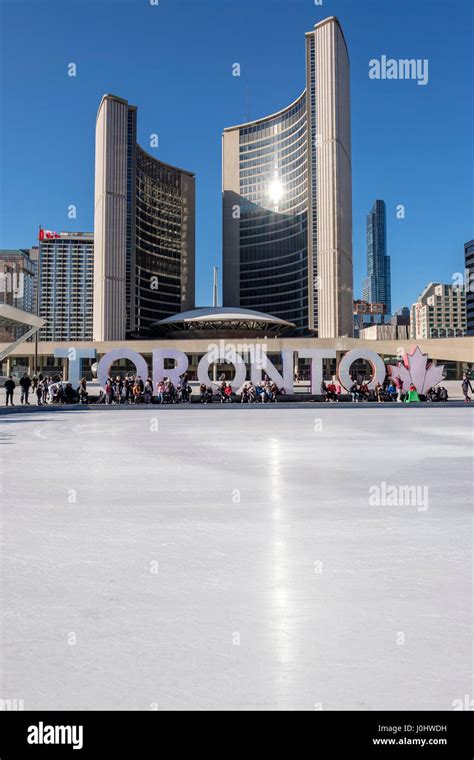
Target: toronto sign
413, 366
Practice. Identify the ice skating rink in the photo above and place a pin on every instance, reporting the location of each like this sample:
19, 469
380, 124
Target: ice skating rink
233, 559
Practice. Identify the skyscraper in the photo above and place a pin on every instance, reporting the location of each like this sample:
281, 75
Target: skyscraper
376, 286
287, 199
65, 286
469, 284
144, 230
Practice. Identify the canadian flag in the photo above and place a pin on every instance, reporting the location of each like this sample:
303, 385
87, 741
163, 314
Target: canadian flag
47, 234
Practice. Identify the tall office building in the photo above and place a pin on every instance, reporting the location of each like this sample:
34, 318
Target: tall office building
287, 199
143, 228
65, 286
469, 285
376, 286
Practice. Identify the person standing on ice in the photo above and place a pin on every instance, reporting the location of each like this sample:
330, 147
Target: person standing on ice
466, 387
45, 386
9, 386
25, 384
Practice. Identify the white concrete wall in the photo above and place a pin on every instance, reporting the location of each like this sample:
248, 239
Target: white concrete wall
110, 209
334, 182
231, 225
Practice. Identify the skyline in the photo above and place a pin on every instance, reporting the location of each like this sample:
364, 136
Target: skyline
429, 241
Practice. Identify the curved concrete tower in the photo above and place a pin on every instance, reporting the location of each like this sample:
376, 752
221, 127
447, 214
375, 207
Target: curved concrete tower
144, 224
110, 219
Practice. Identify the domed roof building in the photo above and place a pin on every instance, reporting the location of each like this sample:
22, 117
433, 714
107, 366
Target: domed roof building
221, 321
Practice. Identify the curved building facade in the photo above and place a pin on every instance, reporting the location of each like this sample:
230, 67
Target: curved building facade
144, 230
163, 245
273, 270
287, 200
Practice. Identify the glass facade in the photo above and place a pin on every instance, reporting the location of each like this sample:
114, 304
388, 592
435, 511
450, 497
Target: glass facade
159, 237
158, 241
144, 226
287, 200
273, 215
469, 285
377, 287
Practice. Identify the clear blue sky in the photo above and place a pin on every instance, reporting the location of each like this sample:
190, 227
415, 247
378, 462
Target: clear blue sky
411, 144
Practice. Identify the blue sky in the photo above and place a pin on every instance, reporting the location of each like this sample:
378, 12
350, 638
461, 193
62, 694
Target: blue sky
411, 144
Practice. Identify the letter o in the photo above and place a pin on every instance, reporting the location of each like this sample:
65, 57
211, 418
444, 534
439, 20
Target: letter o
375, 361
230, 357
110, 357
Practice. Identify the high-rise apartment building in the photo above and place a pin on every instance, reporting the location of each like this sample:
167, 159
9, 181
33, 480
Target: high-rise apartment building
440, 312
377, 287
65, 286
469, 285
287, 200
144, 230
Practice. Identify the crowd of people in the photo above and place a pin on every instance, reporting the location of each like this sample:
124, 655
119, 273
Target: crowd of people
264, 392
132, 389
391, 390
48, 389
330, 391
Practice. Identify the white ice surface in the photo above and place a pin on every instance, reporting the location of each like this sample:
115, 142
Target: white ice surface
92, 498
